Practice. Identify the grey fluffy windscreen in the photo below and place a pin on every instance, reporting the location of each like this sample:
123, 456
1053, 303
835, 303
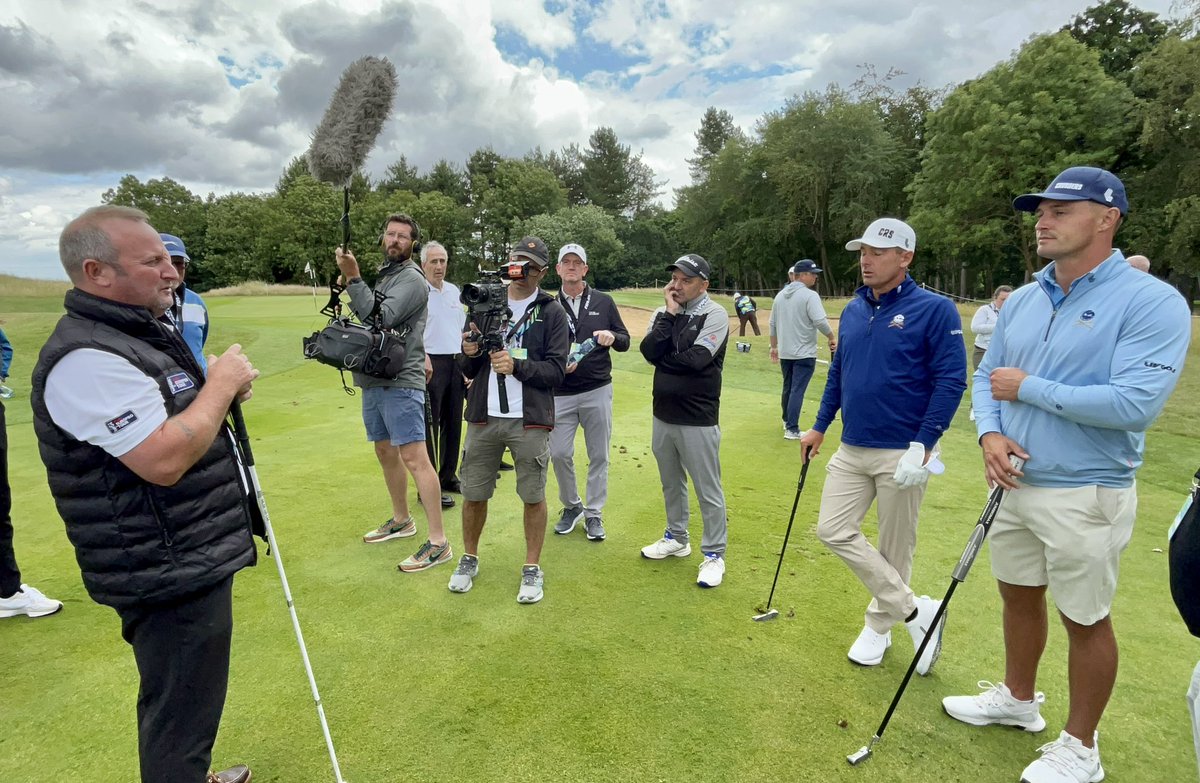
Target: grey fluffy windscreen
352, 122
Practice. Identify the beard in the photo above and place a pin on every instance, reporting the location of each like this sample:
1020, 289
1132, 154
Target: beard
396, 254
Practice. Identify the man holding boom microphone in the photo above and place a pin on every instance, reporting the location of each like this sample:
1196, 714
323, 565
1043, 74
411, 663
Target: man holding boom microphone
144, 472
394, 410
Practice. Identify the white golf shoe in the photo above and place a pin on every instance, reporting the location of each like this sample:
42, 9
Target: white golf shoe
30, 602
666, 547
869, 647
995, 706
1066, 760
919, 627
712, 570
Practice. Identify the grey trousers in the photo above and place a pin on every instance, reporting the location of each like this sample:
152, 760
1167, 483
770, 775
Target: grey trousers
681, 452
591, 410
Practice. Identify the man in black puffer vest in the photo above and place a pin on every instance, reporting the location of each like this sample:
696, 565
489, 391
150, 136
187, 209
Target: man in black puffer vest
144, 471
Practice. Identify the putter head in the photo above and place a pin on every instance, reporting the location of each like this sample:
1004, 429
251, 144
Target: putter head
770, 614
860, 755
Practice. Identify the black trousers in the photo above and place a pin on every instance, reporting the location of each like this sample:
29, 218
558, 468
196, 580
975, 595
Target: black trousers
182, 654
446, 394
10, 575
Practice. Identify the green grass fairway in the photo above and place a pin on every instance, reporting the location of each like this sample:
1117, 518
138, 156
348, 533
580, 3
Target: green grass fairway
627, 671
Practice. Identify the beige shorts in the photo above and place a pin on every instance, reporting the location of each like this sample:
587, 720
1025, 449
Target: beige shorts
484, 448
1069, 539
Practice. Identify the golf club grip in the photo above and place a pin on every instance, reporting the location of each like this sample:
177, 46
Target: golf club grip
239, 429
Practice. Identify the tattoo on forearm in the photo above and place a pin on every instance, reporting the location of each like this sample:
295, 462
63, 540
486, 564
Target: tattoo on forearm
191, 435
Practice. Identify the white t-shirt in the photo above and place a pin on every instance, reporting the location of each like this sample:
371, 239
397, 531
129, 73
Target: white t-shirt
100, 398
445, 322
512, 386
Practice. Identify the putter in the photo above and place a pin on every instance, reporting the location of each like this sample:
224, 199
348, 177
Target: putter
958, 576
239, 426
771, 614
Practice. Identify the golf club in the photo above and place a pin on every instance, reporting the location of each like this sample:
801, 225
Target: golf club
771, 614
959, 575
239, 426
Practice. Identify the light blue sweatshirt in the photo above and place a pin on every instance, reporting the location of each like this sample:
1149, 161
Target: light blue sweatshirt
1102, 361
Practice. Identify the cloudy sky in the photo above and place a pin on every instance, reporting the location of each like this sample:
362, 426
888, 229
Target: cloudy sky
221, 94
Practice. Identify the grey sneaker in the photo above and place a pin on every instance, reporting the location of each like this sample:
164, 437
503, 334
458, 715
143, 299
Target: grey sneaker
464, 574
567, 521
594, 527
532, 580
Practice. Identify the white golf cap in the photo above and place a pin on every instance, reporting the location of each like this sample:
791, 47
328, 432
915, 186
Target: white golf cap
886, 232
572, 248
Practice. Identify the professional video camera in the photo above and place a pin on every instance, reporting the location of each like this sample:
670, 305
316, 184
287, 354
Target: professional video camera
487, 307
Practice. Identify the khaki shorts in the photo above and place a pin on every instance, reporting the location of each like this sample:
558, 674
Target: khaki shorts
1069, 539
484, 449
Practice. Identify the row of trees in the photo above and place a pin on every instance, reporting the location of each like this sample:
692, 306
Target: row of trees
1117, 88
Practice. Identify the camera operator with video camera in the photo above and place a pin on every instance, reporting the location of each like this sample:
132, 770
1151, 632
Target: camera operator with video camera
394, 410
516, 360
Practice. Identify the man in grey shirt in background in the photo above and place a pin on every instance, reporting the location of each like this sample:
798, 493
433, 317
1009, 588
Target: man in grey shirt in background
394, 410
796, 317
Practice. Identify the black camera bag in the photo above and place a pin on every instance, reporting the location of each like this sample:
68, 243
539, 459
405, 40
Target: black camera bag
346, 345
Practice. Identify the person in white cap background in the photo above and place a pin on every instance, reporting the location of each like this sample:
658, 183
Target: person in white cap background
796, 317
189, 313
747, 311
1082, 361
897, 377
585, 398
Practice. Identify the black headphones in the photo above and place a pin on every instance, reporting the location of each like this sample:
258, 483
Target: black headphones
416, 229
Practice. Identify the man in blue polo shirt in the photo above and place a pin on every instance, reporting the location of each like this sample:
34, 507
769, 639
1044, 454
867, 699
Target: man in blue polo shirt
1082, 361
189, 313
897, 377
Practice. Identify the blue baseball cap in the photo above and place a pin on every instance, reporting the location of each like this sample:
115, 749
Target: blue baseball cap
807, 265
175, 247
1079, 183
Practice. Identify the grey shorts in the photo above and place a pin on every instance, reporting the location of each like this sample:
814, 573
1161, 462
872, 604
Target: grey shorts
484, 448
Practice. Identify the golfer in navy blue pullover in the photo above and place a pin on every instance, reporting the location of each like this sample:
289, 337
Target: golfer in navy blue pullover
897, 377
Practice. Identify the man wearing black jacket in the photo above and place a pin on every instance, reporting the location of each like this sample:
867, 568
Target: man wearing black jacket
144, 472
531, 365
585, 397
686, 344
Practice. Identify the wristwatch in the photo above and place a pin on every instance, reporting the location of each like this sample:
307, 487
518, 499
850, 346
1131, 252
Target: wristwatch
354, 280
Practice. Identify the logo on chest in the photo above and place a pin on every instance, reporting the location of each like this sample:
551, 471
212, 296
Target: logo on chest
897, 321
180, 381
1086, 318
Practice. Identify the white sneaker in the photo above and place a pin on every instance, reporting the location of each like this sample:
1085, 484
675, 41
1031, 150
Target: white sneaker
793, 434
869, 647
712, 570
666, 547
1066, 760
926, 609
532, 582
29, 601
464, 574
997, 707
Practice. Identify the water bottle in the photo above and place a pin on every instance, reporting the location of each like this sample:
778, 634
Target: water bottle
586, 347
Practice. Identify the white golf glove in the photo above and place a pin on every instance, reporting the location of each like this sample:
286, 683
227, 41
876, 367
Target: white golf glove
911, 470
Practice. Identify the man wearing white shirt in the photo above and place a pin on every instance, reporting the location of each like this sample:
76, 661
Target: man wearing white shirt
443, 337
144, 471
983, 324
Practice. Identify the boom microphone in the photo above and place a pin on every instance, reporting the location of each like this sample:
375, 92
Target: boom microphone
340, 144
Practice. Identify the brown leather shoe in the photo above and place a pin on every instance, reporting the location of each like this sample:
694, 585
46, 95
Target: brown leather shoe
238, 774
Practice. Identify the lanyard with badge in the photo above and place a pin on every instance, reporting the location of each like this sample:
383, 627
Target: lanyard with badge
572, 318
516, 334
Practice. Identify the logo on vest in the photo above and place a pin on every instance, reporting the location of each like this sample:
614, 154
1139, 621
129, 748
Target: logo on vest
119, 423
179, 382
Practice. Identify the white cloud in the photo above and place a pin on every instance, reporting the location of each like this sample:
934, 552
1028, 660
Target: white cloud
95, 90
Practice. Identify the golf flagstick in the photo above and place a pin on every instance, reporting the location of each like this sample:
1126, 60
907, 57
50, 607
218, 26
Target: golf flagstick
769, 613
239, 426
959, 575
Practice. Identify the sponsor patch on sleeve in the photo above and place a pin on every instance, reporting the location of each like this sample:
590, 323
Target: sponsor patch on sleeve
180, 381
710, 340
119, 423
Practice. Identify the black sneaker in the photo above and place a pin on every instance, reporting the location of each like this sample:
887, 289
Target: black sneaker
594, 527
567, 521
